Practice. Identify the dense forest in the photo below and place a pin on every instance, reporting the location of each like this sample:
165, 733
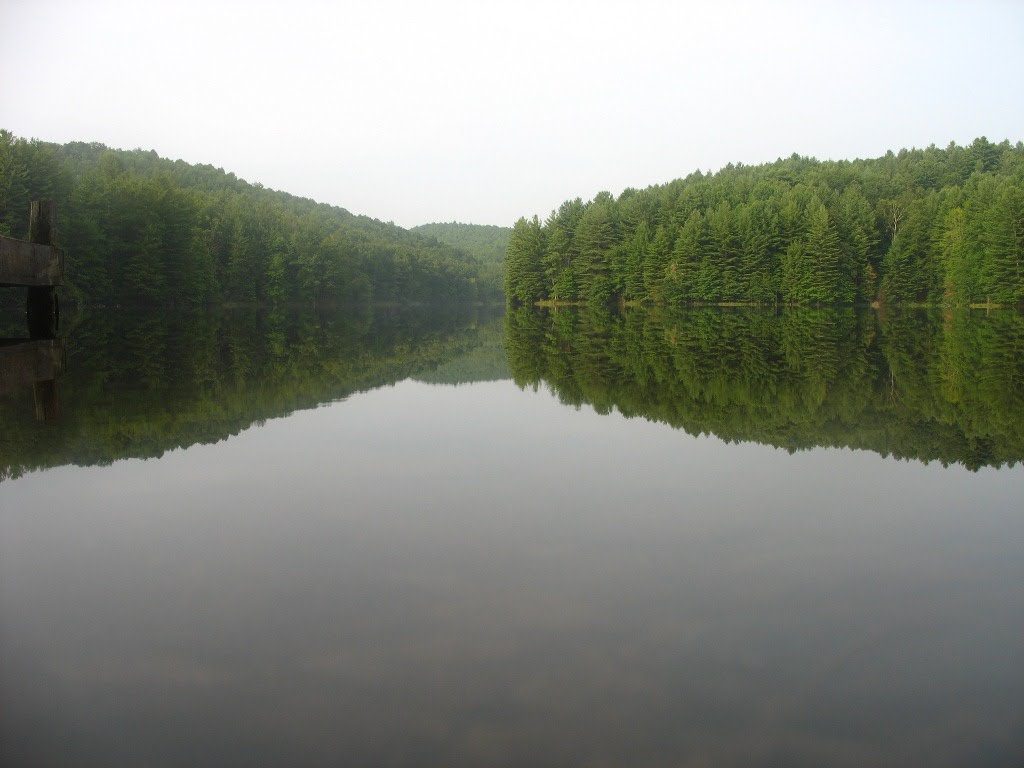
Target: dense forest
911, 383
485, 241
919, 226
136, 386
143, 230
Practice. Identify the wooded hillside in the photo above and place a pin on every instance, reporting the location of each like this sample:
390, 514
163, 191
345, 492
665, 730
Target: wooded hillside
931, 226
140, 229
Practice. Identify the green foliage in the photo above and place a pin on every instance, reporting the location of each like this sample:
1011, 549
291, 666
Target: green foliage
524, 276
910, 384
800, 231
595, 238
486, 242
138, 229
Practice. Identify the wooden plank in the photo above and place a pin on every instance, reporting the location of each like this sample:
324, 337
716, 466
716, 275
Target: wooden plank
30, 264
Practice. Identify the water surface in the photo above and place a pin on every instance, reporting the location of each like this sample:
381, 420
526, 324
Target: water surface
271, 540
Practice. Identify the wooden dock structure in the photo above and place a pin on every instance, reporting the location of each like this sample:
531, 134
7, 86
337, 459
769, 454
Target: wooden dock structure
38, 265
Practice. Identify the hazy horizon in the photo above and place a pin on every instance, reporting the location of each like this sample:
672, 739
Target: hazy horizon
482, 114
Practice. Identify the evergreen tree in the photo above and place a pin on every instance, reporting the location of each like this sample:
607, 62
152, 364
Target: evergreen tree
655, 262
595, 238
1002, 239
629, 270
725, 258
856, 226
524, 281
682, 274
823, 257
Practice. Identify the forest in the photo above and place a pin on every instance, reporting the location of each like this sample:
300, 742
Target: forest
921, 226
912, 383
142, 230
485, 241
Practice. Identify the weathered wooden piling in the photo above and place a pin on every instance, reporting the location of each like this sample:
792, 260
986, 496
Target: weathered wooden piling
43, 309
38, 265
37, 262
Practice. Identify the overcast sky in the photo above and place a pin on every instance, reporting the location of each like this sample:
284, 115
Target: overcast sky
482, 112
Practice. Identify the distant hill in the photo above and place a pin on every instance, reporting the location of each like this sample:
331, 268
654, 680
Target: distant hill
485, 241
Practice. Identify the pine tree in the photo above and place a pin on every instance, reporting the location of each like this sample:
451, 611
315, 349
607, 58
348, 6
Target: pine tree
524, 276
823, 257
557, 259
796, 274
856, 226
725, 256
656, 260
1002, 239
595, 238
681, 275
960, 269
628, 271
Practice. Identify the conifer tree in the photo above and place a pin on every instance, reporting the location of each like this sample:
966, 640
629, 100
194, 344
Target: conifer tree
595, 238
681, 275
524, 278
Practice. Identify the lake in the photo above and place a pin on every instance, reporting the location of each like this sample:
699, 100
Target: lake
721, 537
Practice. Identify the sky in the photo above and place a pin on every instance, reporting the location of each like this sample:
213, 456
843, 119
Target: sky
483, 112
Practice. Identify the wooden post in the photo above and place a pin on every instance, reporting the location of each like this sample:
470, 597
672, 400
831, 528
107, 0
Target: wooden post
42, 223
43, 309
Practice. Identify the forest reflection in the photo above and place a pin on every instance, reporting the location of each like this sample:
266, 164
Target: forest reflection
137, 385
914, 384
917, 384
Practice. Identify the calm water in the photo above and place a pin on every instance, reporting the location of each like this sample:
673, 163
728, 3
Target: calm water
435, 539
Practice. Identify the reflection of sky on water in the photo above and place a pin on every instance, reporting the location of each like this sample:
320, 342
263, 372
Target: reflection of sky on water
477, 575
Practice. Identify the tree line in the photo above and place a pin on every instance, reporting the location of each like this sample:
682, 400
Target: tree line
923, 225
140, 229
